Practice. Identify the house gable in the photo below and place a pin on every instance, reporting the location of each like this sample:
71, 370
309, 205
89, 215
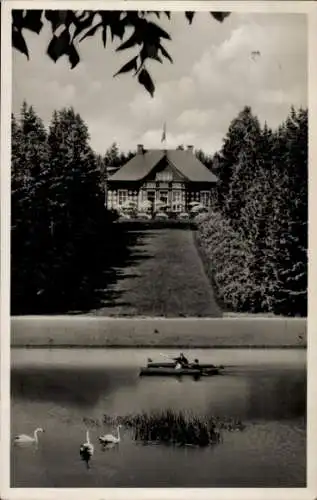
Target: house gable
193, 169
164, 171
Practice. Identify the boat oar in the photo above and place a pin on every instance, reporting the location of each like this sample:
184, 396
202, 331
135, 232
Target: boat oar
170, 358
167, 357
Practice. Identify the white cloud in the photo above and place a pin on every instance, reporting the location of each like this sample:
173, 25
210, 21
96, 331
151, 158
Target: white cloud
169, 98
196, 118
95, 86
63, 94
144, 106
212, 78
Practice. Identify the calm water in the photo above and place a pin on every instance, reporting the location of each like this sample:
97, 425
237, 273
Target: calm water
58, 388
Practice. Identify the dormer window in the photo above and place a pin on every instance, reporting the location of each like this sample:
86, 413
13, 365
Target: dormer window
164, 176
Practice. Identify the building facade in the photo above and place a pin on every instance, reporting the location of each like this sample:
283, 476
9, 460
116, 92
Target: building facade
169, 179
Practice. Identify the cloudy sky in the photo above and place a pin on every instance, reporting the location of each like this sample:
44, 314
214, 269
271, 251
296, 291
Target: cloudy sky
213, 76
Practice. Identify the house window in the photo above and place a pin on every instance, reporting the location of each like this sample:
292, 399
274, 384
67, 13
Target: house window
177, 196
164, 197
150, 185
122, 196
178, 201
205, 198
151, 197
164, 176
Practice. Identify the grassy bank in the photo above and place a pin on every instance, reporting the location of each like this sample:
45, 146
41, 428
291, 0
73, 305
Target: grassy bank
83, 331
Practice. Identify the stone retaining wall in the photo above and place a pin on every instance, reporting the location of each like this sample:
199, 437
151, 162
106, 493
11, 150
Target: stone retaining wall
83, 331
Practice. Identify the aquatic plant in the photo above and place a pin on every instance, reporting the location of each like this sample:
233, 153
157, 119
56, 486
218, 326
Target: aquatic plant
175, 427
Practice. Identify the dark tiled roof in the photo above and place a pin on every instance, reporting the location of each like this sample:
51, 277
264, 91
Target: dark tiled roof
184, 161
189, 165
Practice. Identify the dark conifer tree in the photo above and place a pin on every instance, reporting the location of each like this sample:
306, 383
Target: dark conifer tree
29, 208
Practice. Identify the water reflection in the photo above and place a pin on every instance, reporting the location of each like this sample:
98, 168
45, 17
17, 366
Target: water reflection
275, 393
75, 386
277, 396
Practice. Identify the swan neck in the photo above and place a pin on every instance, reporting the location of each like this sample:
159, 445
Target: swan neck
118, 431
87, 437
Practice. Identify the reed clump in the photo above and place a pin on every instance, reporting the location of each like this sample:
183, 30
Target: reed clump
176, 427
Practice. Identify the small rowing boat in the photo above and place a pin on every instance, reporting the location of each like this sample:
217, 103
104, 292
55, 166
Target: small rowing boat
173, 372
172, 364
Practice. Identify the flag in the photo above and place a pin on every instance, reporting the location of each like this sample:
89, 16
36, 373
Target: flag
164, 133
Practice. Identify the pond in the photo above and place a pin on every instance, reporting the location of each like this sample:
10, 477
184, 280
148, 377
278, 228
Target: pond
66, 391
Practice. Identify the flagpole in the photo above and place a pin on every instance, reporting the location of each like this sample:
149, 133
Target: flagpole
163, 139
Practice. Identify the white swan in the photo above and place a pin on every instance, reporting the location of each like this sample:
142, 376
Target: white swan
24, 438
110, 438
86, 449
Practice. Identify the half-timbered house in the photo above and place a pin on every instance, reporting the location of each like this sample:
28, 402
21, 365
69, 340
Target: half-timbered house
171, 179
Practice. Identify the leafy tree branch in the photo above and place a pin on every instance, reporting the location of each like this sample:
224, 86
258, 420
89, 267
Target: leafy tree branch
134, 29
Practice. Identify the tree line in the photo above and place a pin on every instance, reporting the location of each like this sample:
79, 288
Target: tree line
63, 240
254, 241
65, 247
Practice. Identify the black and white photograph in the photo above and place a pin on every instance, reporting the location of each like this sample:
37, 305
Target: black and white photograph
157, 257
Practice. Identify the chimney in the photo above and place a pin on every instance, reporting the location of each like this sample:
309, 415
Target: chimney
140, 149
190, 148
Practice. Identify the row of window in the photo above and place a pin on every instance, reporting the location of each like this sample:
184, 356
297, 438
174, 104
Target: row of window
164, 176
163, 183
177, 196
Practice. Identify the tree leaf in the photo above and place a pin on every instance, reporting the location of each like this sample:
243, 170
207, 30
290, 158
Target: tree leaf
104, 36
133, 40
157, 31
17, 19
129, 66
56, 18
165, 53
146, 80
150, 50
59, 45
117, 27
18, 42
32, 20
73, 56
220, 16
70, 18
83, 23
189, 16
157, 58
90, 32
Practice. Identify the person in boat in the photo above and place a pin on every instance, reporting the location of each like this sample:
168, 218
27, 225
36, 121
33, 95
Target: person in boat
196, 365
182, 361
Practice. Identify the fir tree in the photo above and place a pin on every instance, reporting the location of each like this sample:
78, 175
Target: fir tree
236, 158
29, 210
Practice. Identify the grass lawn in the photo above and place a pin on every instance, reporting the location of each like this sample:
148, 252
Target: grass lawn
164, 277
